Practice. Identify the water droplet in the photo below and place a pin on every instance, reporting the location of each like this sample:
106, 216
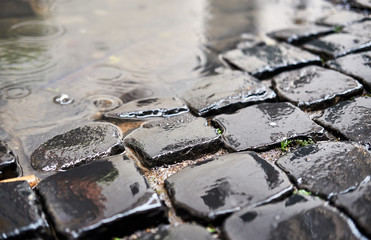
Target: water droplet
104, 103
36, 30
63, 99
273, 124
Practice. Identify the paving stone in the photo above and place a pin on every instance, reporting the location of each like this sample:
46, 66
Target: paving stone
21, 216
78, 146
9, 167
213, 189
103, 198
225, 92
357, 204
328, 168
364, 3
315, 87
300, 35
350, 118
297, 217
356, 65
337, 45
149, 107
263, 125
362, 29
181, 232
341, 18
264, 60
172, 142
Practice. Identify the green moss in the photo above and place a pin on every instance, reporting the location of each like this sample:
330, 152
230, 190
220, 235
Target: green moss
304, 142
285, 145
219, 131
338, 29
210, 228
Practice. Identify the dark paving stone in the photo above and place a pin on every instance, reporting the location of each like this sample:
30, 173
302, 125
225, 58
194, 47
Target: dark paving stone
299, 35
103, 198
297, 217
213, 189
149, 107
225, 92
357, 204
173, 141
362, 29
264, 125
315, 87
328, 168
21, 216
337, 45
350, 118
356, 65
264, 60
341, 18
9, 167
78, 146
181, 232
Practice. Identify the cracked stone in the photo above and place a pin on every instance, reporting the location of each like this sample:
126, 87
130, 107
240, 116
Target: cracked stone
328, 168
77, 146
298, 217
350, 118
299, 35
315, 87
9, 167
264, 125
265, 60
181, 232
229, 91
356, 65
173, 140
213, 189
107, 196
357, 204
21, 216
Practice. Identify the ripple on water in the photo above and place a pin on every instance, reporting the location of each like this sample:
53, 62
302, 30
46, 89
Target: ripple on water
14, 91
104, 103
106, 73
36, 31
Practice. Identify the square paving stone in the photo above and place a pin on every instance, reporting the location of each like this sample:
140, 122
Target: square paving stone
264, 125
181, 232
298, 217
357, 204
300, 35
21, 216
223, 92
264, 60
9, 167
356, 65
103, 198
173, 140
350, 118
213, 189
328, 168
315, 87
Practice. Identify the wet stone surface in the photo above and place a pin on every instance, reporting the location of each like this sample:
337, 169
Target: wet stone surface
328, 168
362, 29
297, 217
213, 189
9, 167
299, 35
314, 87
182, 232
229, 91
77, 146
268, 124
350, 118
263, 60
341, 18
356, 65
84, 201
357, 204
173, 140
21, 216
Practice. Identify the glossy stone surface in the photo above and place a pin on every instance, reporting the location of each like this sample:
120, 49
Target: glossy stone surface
350, 118
301, 34
357, 204
149, 107
297, 217
78, 146
356, 65
264, 125
328, 168
225, 92
337, 45
181, 232
9, 167
264, 60
105, 197
21, 216
315, 87
173, 141
213, 189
